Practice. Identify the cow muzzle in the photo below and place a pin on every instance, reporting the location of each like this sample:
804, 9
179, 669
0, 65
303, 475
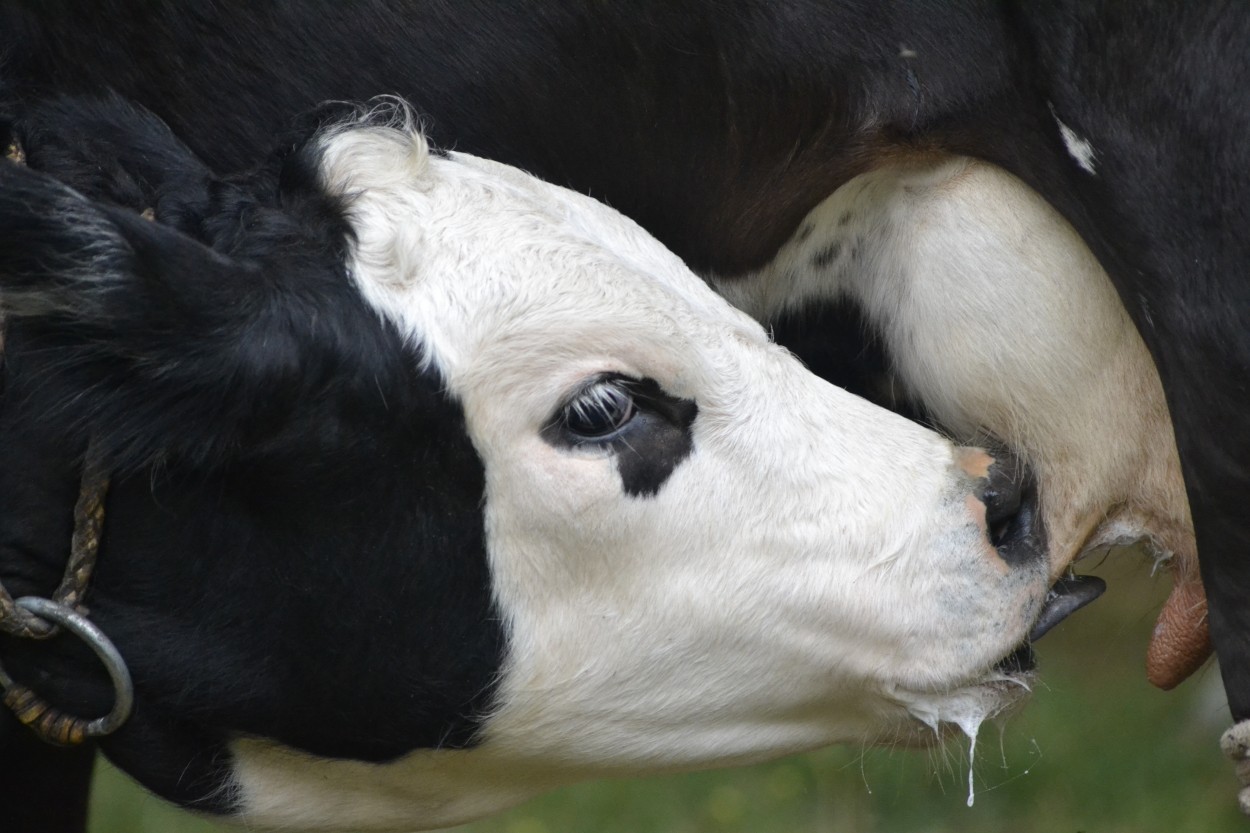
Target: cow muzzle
1008, 490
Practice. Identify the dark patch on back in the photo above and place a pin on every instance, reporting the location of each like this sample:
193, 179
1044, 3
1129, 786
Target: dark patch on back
587, 80
827, 255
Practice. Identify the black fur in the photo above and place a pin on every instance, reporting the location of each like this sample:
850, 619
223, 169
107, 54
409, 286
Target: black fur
297, 502
49, 785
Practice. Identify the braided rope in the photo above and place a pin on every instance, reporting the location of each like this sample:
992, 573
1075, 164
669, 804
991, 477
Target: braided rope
88, 520
46, 720
84, 549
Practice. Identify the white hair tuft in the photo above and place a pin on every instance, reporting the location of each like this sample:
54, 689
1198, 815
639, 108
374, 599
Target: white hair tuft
380, 145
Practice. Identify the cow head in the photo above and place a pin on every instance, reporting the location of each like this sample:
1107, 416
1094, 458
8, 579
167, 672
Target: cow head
436, 486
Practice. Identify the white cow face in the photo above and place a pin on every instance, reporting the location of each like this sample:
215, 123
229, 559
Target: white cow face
701, 553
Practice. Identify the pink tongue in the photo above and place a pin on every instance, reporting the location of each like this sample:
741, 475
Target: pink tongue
1181, 642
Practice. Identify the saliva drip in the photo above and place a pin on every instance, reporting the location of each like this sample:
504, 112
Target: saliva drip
970, 728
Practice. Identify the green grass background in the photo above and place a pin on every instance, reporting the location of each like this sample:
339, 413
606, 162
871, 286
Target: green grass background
1097, 751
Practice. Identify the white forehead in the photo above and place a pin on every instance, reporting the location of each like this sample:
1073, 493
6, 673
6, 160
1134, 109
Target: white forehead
475, 259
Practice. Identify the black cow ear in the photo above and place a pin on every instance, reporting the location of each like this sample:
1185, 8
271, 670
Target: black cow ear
114, 151
109, 149
156, 344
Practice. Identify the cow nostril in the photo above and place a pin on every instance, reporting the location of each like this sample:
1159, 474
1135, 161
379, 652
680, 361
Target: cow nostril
1011, 511
998, 532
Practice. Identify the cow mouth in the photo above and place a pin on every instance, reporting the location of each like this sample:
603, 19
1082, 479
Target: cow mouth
1005, 686
1067, 596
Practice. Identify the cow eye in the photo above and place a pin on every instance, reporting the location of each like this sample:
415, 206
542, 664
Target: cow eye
599, 410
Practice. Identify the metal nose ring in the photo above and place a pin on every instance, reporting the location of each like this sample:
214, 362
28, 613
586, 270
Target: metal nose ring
49, 722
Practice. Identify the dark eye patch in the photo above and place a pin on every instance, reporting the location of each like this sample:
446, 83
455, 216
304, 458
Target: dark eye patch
648, 431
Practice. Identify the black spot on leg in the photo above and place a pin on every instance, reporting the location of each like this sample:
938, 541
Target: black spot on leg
827, 255
805, 233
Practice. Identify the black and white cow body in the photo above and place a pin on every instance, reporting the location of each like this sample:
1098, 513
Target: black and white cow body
726, 129
436, 486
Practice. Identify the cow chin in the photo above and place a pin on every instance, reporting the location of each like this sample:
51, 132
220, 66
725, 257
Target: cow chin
276, 787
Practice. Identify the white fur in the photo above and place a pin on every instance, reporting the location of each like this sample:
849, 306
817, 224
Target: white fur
1079, 148
814, 568
1000, 321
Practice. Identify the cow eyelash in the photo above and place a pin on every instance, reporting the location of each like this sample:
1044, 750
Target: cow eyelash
599, 410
